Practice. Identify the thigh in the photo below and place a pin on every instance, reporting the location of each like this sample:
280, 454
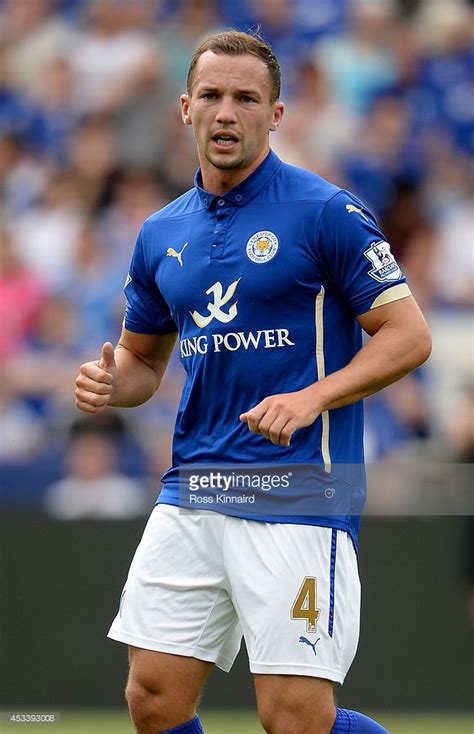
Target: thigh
297, 593
176, 599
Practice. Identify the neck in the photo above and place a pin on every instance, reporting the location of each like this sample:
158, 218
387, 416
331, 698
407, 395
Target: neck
219, 181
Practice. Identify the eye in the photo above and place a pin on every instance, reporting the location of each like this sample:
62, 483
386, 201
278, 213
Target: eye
208, 95
245, 98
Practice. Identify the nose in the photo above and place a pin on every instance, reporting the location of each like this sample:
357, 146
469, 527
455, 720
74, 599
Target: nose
226, 111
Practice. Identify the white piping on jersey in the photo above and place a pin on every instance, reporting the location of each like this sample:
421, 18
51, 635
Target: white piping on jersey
321, 370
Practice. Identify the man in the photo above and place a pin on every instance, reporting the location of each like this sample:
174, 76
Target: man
263, 270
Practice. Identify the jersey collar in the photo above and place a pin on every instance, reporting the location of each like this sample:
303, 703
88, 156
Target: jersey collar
246, 190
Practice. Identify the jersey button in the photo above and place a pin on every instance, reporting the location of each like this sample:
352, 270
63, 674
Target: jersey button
238, 197
221, 202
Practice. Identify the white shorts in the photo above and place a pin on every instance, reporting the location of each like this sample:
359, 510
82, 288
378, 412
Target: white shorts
198, 581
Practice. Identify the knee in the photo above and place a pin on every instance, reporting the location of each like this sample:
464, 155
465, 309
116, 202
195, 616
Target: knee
146, 707
287, 717
137, 697
155, 710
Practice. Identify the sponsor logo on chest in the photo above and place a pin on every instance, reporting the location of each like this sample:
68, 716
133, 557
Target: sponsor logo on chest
223, 308
232, 341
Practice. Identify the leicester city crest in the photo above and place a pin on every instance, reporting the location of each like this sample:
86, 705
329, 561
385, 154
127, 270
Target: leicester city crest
262, 246
385, 267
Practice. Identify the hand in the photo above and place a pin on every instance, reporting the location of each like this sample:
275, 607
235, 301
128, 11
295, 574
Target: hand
96, 381
279, 416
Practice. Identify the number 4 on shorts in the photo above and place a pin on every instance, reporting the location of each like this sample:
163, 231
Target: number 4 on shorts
304, 606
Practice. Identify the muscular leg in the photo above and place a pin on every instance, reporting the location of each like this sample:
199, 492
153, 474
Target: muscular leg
294, 704
163, 690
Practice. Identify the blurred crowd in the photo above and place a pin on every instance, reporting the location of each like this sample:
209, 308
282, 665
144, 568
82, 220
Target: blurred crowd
380, 100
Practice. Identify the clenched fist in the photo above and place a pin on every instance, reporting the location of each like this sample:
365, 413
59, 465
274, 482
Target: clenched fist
279, 416
96, 381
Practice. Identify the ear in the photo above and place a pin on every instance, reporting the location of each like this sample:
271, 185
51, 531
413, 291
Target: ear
185, 105
278, 111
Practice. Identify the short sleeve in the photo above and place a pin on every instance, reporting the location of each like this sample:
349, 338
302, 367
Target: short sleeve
355, 256
146, 311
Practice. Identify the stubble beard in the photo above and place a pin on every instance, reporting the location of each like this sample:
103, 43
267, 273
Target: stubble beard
226, 163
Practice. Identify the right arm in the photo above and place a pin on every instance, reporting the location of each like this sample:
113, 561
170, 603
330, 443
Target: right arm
127, 376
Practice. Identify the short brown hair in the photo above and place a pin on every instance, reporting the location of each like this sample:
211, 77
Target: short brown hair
236, 43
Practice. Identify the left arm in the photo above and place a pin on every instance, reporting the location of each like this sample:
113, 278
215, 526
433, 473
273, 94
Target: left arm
400, 341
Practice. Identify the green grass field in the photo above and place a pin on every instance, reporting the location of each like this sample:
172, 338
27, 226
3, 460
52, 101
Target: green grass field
117, 722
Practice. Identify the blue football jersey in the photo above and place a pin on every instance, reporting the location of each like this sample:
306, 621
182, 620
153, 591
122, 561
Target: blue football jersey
263, 285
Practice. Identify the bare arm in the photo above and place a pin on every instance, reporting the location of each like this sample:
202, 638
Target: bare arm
400, 342
127, 376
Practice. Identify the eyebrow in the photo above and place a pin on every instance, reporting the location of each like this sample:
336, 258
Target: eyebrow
250, 92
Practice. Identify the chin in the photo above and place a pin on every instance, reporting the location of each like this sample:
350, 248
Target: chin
224, 161
226, 164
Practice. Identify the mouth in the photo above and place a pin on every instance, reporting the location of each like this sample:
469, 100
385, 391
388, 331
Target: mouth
224, 140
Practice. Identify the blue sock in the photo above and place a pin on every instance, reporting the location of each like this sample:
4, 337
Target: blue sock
190, 727
351, 722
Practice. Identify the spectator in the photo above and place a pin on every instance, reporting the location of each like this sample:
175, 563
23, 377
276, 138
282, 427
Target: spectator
93, 487
41, 374
320, 127
190, 20
179, 161
397, 419
412, 237
37, 35
21, 296
96, 305
381, 154
15, 112
446, 30
93, 159
47, 234
286, 37
56, 112
453, 276
22, 177
359, 63
460, 428
22, 430
135, 194
112, 56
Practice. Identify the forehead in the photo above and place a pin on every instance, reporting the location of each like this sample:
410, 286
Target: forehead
217, 70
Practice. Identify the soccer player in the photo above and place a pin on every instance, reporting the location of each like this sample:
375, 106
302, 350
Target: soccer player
266, 274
